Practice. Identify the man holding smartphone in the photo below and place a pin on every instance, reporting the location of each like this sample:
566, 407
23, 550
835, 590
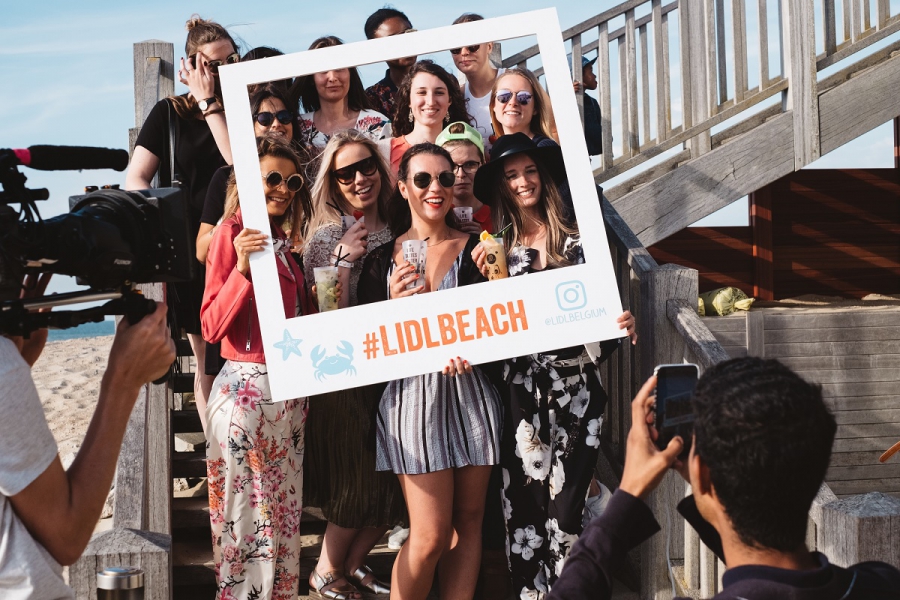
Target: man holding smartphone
762, 443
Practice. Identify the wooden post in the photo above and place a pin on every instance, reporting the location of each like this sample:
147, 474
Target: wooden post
756, 337
861, 528
118, 547
763, 255
897, 143
664, 344
801, 97
698, 48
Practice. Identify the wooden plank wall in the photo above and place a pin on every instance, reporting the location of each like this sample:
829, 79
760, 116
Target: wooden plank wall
855, 355
818, 231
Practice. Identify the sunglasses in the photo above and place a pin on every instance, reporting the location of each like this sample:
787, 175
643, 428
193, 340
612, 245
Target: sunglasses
267, 118
274, 179
423, 180
471, 49
504, 96
468, 167
215, 64
346, 175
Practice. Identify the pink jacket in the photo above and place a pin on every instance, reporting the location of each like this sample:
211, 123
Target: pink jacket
228, 313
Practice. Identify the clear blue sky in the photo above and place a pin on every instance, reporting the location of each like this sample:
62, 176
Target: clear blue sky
66, 67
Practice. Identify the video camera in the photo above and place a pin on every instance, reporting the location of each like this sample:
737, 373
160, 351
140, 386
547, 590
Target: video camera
110, 240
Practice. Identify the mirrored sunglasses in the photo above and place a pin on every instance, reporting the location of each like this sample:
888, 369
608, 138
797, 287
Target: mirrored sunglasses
267, 118
423, 180
230, 60
346, 175
471, 49
504, 96
274, 179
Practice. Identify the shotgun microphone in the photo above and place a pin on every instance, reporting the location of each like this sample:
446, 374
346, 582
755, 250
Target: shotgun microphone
71, 158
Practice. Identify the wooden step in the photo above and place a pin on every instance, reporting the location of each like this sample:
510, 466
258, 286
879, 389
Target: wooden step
183, 383
183, 347
189, 464
186, 421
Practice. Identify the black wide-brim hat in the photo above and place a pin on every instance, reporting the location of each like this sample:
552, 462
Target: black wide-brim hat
549, 157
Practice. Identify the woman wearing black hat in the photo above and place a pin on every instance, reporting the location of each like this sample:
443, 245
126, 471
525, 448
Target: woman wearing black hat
554, 400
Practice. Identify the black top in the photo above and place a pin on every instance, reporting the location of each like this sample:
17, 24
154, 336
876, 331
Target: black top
627, 522
196, 155
593, 128
373, 280
214, 205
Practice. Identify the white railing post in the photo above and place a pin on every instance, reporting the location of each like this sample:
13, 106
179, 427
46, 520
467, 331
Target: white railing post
799, 60
696, 44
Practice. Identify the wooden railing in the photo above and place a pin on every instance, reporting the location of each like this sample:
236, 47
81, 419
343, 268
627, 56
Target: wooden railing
141, 535
683, 53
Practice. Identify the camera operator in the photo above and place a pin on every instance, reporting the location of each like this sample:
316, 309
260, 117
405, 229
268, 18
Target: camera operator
47, 514
762, 444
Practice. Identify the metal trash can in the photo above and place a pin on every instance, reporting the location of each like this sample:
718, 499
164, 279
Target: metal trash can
120, 583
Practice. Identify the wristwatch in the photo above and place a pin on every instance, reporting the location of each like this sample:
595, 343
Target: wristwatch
205, 104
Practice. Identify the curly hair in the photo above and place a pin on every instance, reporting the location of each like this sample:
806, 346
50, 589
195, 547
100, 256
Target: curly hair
766, 436
399, 214
457, 110
542, 120
300, 212
303, 90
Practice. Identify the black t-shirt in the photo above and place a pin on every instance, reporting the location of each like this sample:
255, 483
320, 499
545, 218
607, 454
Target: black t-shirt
196, 155
214, 205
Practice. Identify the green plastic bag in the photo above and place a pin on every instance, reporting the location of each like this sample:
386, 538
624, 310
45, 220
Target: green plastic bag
723, 301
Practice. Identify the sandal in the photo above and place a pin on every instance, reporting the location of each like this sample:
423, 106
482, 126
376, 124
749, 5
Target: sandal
319, 583
373, 589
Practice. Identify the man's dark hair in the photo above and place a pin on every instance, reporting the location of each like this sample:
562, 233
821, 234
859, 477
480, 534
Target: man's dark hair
380, 16
766, 436
468, 18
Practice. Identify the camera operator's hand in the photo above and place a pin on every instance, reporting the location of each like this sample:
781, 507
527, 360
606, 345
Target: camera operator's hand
247, 242
33, 286
645, 464
141, 352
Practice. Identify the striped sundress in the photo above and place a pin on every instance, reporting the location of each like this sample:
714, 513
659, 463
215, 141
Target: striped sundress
432, 422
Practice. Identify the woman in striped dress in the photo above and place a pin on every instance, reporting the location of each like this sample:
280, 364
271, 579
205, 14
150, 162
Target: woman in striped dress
439, 432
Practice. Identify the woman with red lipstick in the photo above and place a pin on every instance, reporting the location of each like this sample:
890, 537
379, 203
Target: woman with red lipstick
255, 449
335, 101
359, 503
428, 100
439, 432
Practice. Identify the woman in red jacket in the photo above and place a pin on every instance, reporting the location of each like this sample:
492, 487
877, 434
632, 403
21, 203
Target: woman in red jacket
255, 449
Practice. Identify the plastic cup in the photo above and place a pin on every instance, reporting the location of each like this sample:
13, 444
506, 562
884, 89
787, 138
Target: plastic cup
495, 258
347, 222
326, 284
463, 213
414, 252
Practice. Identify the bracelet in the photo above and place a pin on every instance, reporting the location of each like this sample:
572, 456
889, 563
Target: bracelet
213, 111
344, 263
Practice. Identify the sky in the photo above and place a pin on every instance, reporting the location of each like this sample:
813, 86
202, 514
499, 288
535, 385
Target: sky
67, 69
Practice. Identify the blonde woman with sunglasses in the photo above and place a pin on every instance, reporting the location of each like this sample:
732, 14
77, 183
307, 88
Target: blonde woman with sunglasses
255, 450
519, 104
439, 432
359, 503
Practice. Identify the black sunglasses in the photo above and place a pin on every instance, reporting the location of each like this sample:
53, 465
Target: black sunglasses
274, 179
522, 97
366, 166
267, 118
468, 167
423, 180
229, 60
471, 49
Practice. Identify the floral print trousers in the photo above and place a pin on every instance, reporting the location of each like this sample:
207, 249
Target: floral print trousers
550, 446
255, 468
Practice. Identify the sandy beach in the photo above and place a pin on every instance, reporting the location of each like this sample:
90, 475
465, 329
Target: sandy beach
67, 376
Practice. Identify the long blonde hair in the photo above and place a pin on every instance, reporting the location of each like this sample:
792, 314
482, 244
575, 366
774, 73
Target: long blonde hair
325, 190
200, 32
542, 120
299, 213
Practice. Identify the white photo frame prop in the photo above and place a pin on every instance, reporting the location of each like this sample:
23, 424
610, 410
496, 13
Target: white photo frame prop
409, 336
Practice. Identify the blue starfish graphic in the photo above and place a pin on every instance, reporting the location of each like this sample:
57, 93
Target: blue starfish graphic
288, 345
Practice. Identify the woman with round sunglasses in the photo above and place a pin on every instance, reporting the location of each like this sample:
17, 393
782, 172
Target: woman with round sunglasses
196, 124
335, 101
520, 105
439, 432
554, 401
255, 449
358, 502
428, 100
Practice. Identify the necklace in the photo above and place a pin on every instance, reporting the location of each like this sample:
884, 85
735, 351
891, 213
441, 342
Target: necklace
406, 235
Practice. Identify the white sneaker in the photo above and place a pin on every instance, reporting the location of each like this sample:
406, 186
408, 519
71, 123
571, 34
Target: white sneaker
595, 505
397, 536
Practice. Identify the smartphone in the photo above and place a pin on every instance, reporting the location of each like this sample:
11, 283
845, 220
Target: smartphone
674, 386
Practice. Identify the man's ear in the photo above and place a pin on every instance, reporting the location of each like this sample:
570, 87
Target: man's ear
700, 481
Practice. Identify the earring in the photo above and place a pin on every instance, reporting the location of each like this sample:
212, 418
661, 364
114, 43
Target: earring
447, 118
410, 116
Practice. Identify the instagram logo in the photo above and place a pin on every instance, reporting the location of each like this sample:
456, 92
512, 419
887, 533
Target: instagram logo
570, 295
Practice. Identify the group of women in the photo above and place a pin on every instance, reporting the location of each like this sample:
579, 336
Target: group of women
418, 451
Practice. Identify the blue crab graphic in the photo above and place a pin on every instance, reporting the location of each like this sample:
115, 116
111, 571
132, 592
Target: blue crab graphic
342, 362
